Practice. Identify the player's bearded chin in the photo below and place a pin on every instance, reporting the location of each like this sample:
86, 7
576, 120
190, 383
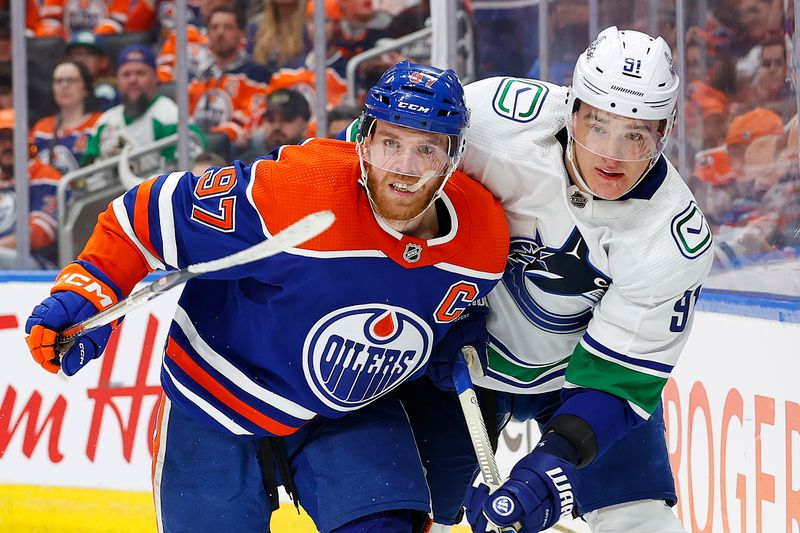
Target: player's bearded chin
393, 208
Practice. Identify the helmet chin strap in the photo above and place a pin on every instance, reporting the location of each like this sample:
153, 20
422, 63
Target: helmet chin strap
585, 186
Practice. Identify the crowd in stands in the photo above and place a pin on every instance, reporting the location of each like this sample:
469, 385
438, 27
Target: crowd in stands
102, 78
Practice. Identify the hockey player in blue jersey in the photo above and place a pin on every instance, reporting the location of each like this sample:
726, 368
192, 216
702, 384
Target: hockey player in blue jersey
608, 253
280, 350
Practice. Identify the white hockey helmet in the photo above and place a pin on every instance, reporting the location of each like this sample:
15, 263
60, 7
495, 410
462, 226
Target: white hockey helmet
629, 74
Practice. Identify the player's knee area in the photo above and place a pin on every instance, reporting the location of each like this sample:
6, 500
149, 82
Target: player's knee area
396, 521
643, 516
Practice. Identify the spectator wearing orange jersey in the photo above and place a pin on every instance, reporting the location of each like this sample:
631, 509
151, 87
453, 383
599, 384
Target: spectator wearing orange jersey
62, 18
285, 121
42, 204
230, 92
60, 140
197, 53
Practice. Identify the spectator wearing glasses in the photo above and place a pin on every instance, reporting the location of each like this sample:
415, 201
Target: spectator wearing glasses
60, 140
89, 50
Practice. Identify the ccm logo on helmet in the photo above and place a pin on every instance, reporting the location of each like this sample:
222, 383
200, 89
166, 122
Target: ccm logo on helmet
413, 107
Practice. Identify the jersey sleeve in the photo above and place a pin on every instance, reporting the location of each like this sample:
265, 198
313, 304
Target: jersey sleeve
617, 372
43, 224
640, 325
176, 220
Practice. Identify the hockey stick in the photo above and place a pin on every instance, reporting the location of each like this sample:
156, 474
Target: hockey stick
477, 426
298, 233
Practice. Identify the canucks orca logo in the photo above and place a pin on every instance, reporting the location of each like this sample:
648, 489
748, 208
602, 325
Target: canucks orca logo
564, 271
353, 356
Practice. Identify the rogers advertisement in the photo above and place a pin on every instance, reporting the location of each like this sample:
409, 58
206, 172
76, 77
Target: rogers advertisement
732, 409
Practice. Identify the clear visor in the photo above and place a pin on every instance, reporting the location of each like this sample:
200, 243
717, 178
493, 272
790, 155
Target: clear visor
408, 151
616, 137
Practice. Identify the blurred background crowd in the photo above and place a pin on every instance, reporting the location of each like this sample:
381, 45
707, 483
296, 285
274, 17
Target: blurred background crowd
101, 82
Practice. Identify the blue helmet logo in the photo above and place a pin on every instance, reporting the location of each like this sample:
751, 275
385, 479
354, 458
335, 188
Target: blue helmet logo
420, 97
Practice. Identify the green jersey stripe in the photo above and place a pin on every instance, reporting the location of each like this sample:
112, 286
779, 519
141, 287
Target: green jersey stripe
525, 374
587, 370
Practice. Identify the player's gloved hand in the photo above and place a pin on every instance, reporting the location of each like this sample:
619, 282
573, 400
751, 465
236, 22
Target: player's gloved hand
77, 295
469, 329
538, 492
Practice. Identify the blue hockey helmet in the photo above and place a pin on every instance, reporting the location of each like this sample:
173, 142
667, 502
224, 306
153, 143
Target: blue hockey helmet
419, 97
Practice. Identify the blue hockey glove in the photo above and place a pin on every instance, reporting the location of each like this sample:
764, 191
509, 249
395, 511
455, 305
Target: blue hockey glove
538, 492
77, 295
469, 329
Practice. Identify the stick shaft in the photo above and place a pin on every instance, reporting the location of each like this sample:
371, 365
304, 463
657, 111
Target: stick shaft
299, 232
476, 425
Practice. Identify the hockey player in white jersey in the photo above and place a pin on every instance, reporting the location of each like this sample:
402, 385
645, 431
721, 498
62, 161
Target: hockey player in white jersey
608, 254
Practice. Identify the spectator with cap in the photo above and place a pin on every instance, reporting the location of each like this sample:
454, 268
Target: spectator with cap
746, 128
89, 49
340, 117
285, 121
60, 140
142, 117
41, 202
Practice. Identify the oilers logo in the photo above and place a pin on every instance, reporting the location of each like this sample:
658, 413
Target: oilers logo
354, 355
213, 108
535, 271
83, 15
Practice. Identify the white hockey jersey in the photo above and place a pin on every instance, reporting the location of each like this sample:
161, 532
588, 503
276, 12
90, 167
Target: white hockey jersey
597, 294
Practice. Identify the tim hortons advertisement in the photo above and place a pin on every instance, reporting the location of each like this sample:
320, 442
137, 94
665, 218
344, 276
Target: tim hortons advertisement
732, 411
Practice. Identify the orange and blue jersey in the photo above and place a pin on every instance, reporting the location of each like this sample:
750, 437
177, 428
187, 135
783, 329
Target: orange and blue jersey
64, 150
42, 216
65, 17
322, 329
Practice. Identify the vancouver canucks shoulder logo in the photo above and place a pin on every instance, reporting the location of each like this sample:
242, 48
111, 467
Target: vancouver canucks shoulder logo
691, 232
519, 100
540, 277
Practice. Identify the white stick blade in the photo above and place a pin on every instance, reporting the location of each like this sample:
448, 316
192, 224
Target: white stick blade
304, 229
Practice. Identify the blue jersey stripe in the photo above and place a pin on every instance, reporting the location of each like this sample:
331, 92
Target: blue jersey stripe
652, 365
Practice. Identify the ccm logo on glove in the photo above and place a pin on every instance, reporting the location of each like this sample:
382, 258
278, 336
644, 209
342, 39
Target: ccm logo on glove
75, 278
561, 482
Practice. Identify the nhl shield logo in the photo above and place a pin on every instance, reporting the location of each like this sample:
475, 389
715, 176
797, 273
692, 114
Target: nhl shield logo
578, 200
413, 253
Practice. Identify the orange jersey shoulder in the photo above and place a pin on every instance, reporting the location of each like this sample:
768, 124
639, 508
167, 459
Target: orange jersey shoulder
321, 174
482, 228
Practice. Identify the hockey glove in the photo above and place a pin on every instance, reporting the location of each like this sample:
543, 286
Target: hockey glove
538, 492
81, 290
469, 329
